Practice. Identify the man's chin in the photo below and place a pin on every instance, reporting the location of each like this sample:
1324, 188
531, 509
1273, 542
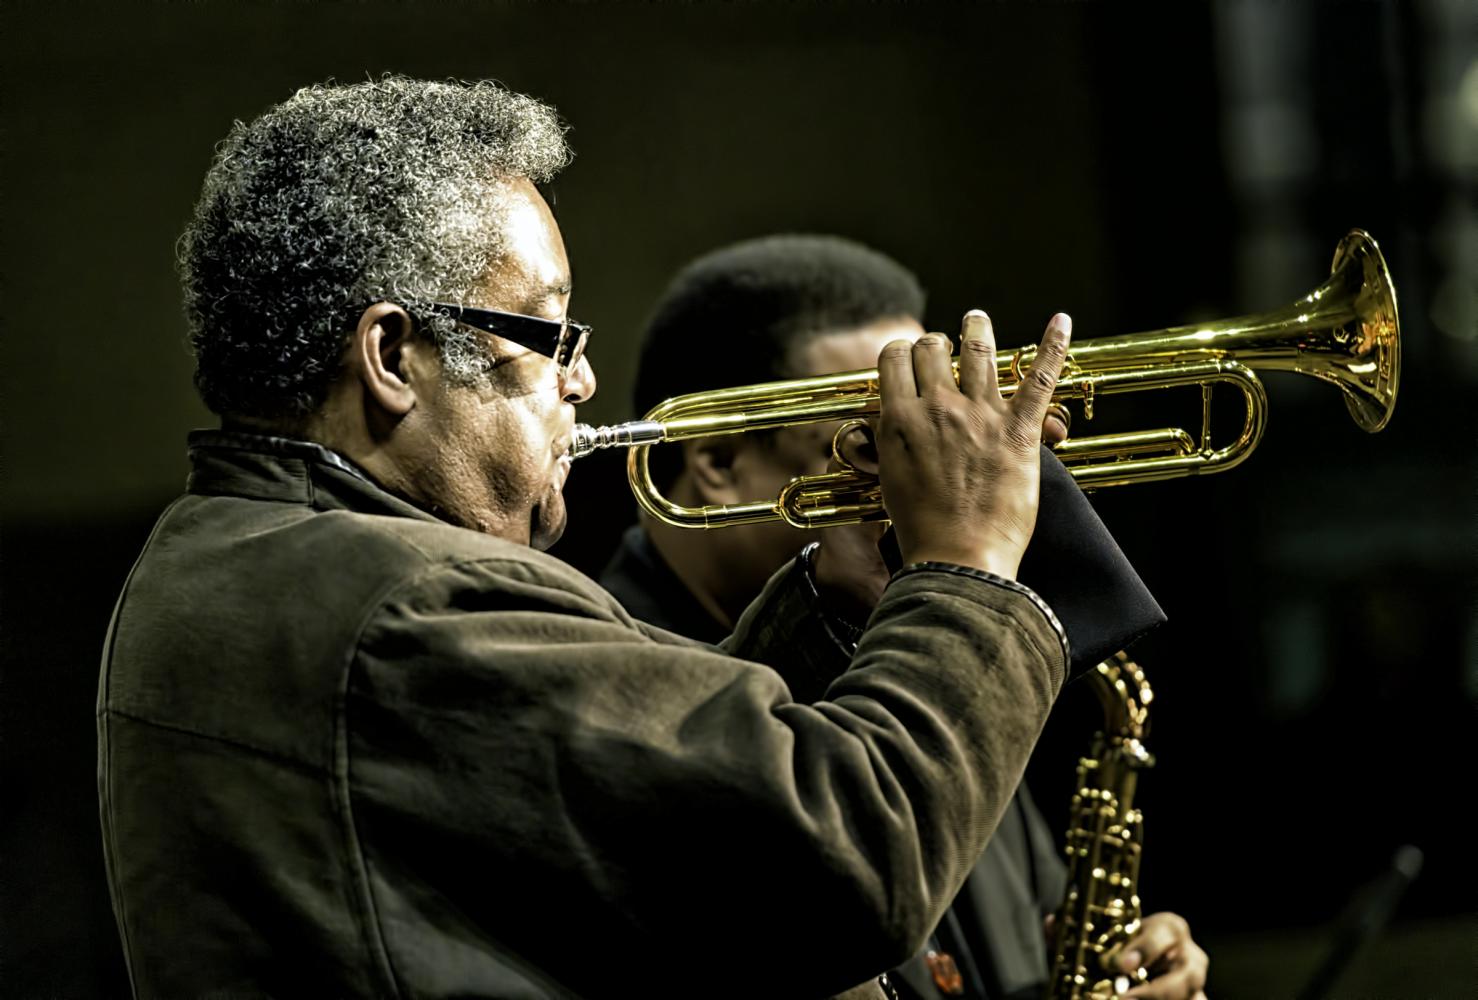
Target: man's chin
547, 522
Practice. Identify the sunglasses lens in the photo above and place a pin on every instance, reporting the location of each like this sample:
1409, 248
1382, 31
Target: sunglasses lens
572, 348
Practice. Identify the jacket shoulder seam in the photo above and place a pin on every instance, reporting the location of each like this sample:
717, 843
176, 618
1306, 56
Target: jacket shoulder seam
373, 929
277, 756
342, 756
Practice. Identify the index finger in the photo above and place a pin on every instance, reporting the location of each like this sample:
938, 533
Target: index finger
895, 373
1157, 935
978, 356
1029, 404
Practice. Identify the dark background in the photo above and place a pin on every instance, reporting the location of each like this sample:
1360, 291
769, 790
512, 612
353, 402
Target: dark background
1137, 168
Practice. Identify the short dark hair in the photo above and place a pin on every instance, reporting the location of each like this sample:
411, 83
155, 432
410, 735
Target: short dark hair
747, 308
340, 197
761, 300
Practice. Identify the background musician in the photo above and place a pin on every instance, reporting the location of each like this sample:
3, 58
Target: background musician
796, 306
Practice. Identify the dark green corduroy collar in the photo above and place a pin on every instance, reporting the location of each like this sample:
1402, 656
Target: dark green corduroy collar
286, 470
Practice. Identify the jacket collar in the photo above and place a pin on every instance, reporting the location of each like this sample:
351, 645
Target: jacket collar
286, 470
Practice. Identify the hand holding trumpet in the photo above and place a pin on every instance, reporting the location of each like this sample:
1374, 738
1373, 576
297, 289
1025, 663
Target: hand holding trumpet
960, 465
960, 475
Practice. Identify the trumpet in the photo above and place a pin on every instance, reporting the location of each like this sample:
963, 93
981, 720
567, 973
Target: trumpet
1345, 332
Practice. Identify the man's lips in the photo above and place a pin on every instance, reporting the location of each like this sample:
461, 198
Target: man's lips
562, 457
563, 442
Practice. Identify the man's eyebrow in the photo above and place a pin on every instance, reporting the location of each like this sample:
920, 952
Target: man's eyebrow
539, 300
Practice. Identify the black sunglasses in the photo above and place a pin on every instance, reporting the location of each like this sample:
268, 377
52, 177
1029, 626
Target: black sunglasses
561, 339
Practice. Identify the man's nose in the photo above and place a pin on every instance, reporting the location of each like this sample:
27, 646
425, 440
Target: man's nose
579, 382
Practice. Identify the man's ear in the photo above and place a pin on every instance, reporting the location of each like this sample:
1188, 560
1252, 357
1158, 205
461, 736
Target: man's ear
378, 356
710, 466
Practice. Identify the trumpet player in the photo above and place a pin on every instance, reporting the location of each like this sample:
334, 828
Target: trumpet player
359, 737
798, 306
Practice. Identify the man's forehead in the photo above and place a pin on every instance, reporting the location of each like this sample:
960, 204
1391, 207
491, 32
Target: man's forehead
531, 264
852, 348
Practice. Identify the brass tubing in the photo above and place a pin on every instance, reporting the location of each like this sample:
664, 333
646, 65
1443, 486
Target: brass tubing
1345, 332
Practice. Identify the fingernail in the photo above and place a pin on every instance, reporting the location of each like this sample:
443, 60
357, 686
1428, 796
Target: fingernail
975, 323
1063, 322
1132, 960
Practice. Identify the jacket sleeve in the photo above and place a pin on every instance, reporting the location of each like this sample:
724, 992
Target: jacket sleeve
524, 766
786, 629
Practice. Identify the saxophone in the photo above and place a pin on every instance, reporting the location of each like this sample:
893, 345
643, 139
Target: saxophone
1101, 910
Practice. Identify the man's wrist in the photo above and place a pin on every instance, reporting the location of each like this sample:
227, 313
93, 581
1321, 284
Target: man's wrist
1000, 581
993, 561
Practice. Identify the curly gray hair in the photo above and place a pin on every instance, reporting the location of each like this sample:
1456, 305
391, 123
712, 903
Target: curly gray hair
340, 197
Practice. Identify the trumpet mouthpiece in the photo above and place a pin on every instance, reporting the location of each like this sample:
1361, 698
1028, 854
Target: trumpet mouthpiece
587, 439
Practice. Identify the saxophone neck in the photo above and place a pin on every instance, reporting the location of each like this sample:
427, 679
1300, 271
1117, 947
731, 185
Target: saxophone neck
1125, 696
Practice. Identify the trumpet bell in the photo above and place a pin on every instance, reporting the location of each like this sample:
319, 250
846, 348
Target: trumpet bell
1372, 375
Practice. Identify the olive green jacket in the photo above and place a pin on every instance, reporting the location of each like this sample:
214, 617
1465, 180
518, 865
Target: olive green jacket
346, 749
993, 929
